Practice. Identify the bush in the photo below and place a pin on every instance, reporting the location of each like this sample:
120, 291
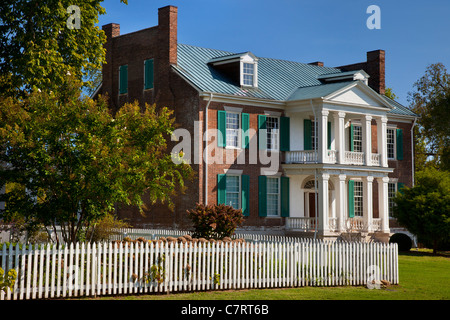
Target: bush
402, 240
215, 221
104, 228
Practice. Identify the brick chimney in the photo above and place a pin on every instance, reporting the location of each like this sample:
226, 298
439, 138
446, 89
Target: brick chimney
167, 33
375, 67
317, 63
111, 30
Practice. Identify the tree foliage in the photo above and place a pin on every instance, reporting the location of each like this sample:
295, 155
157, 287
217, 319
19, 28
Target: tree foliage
68, 161
38, 49
425, 208
431, 101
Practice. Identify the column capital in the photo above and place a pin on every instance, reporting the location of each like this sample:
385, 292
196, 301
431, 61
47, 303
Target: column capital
382, 119
324, 112
369, 179
342, 177
324, 177
383, 179
368, 117
340, 114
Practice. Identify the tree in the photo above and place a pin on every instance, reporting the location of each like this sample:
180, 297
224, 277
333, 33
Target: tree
39, 45
68, 161
431, 101
425, 208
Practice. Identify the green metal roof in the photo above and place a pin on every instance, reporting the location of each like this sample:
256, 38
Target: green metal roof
399, 108
279, 80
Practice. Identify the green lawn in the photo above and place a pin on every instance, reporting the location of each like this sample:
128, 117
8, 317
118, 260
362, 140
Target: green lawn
422, 277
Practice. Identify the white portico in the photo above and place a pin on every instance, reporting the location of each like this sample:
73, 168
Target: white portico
338, 162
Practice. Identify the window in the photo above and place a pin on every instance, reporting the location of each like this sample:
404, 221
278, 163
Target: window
357, 138
392, 189
248, 74
391, 143
273, 132
358, 196
314, 137
273, 199
233, 190
232, 129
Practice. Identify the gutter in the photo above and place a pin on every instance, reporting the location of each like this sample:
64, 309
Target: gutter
412, 151
315, 170
206, 147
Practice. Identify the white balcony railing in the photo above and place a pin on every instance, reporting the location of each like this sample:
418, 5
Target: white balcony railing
303, 156
375, 159
301, 224
351, 157
331, 156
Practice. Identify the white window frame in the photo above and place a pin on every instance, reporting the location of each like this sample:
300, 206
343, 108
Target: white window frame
277, 134
244, 73
239, 133
278, 197
359, 205
391, 204
239, 190
357, 140
394, 144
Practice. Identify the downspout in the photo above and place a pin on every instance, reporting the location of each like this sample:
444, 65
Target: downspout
412, 150
315, 170
206, 148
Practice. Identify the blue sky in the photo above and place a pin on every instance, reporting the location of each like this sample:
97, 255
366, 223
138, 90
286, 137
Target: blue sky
414, 34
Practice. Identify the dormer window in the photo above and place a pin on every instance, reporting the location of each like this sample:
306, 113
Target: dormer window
241, 68
248, 74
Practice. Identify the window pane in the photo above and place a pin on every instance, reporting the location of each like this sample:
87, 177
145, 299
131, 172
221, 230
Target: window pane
233, 191
273, 131
232, 129
391, 195
273, 196
390, 143
248, 73
358, 199
357, 138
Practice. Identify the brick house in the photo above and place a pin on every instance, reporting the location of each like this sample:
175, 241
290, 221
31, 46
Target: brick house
300, 147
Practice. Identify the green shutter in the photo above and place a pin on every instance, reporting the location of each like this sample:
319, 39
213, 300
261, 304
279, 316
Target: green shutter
307, 131
148, 74
221, 128
399, 144
262, 194
400, 186
284, 196
262, 132
284, 133
329, 135
221, 189
123, 79
245, 127
351, 198
245, 194
352, 148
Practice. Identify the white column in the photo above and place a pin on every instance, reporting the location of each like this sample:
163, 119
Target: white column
383, 203
323, 203
340, 201
367, 134
368, 202
339, 135
323, 136
382, 140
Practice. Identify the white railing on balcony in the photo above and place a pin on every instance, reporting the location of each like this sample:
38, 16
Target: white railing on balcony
301, 224
355, 224
351, 157
333, 224
375, 159
376, 224
331, 156
302, 156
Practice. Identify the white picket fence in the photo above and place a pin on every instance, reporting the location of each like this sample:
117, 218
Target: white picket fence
85, 269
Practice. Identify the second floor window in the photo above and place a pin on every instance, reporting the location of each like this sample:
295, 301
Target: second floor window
391, 143
273, 132
232, 131
357, 139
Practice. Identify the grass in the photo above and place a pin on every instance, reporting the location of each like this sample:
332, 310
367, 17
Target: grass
422, 277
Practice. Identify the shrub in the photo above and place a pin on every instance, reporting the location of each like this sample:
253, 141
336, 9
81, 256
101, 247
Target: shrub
403, 241
215, 221
104, 228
